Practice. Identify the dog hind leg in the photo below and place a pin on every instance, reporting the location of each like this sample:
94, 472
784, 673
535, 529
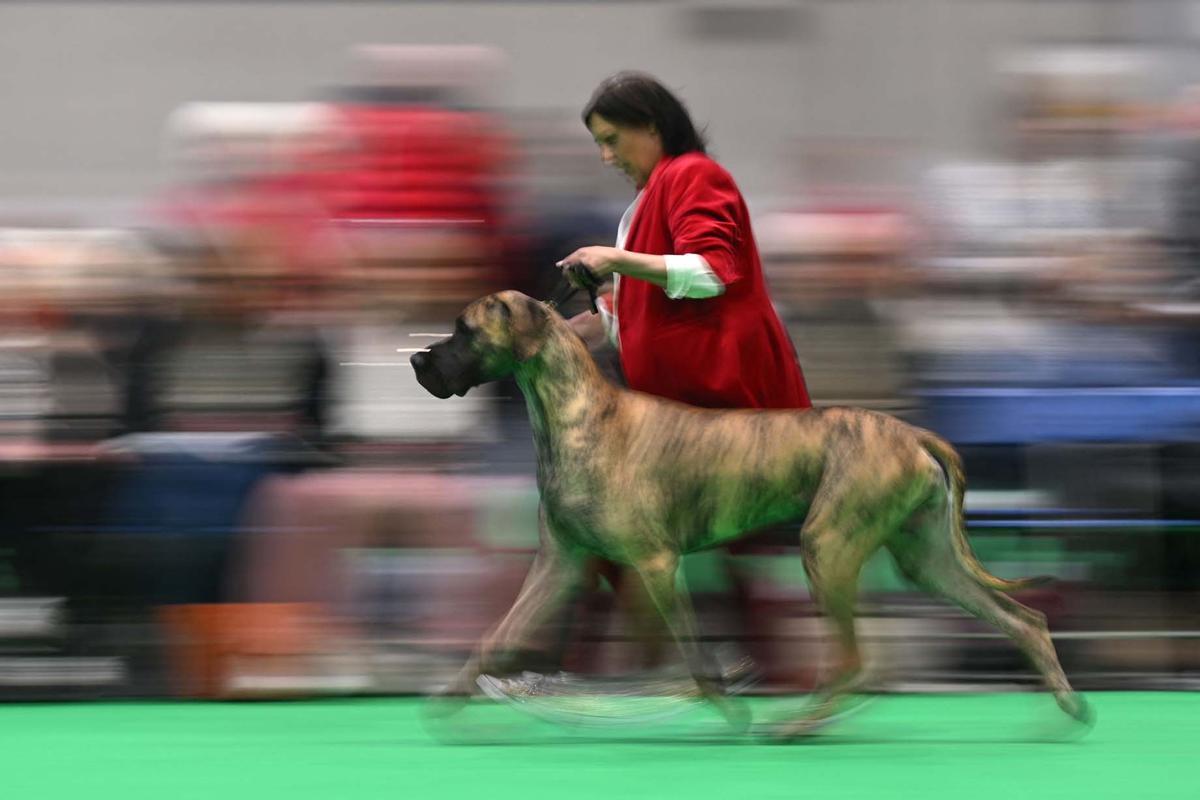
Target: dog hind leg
833, 580
659, 574
925, 554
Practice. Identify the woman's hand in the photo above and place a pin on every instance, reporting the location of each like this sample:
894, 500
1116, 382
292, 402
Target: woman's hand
600, 261
604, 261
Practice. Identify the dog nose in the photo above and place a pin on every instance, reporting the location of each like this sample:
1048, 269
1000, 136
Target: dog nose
418, 360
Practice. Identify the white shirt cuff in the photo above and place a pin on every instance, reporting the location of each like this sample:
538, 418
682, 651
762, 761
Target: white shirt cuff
690, 276
608, 317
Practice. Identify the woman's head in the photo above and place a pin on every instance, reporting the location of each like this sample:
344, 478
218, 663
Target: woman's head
636, 121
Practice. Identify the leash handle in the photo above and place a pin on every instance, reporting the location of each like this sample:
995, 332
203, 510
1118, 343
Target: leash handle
590, 282
567, 289
591, 290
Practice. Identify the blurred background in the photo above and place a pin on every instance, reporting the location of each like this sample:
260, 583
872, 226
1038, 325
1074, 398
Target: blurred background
222, 225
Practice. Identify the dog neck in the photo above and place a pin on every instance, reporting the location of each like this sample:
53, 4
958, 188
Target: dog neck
563, 388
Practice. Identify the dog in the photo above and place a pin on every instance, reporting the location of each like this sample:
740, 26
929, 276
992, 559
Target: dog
641, 481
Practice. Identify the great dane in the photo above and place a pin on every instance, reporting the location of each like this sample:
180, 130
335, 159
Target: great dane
641, 481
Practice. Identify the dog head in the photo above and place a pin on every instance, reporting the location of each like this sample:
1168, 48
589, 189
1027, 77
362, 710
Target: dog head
491, 337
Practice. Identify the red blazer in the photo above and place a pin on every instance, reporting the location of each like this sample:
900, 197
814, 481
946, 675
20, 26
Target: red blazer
729, 351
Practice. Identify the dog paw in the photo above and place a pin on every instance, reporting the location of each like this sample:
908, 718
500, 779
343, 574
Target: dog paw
1078, 708
814, 718
445, 704
790, 732
736, 713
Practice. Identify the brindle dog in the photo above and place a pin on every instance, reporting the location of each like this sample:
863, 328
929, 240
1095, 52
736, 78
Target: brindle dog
641, 481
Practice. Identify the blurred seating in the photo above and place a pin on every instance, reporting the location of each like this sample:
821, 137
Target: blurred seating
418, 186
412, 567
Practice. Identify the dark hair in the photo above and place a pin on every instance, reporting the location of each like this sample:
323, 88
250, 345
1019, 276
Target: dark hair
637, 100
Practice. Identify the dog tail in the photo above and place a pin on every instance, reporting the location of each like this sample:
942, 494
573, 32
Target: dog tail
952, 466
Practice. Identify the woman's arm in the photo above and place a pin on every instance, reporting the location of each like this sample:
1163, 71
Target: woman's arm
604, 261
703, 212
687, 275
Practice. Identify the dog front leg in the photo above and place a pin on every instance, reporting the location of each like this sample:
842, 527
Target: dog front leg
552, 577
659, 574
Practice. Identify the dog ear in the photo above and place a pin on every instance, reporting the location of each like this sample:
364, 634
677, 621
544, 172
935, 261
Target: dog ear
528, 325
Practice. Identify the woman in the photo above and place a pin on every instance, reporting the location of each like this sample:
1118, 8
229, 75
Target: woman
690, 312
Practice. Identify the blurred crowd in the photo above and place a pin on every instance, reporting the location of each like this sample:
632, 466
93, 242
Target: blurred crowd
221, 478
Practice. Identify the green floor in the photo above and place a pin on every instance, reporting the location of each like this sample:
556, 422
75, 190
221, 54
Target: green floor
970, 747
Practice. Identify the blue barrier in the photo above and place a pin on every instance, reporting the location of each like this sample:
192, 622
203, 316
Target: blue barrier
1034, 415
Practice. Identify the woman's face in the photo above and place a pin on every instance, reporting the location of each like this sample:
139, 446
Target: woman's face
634, 151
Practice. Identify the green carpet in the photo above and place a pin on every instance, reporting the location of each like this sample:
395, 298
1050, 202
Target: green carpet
968, 747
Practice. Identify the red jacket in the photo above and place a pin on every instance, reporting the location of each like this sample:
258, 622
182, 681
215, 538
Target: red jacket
729, 351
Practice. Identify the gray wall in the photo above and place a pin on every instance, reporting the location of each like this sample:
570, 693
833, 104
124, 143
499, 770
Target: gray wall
86, 86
